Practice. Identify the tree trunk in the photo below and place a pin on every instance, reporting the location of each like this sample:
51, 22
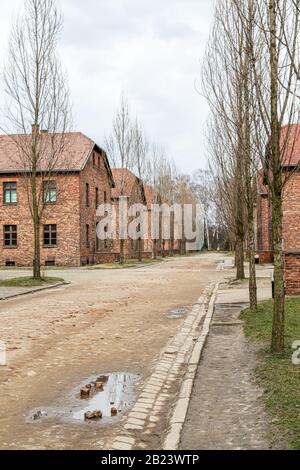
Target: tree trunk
240, 232
171, 251
36, 226
122, 251
154, 249
140, 254
207, 234
37, 252
277, 344
239, 258
252, 268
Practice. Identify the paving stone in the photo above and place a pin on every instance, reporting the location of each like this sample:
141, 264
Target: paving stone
173, 438
150, 396
122, 446
126, 439
186, 388
140, 409
151, 388
138, 415
148, 401
153, 419
143, 406
180, 411
133, 427
136, 422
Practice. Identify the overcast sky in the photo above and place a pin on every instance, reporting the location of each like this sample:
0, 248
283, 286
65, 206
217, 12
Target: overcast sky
149, 49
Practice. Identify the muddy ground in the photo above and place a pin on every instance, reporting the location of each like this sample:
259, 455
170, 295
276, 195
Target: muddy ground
104, 321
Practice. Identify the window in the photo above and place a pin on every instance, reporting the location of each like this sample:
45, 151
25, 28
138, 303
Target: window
50, 262
49, 192
97, 198
105, 197
94, 159
10, 235
10, 264
87, 195
50, 235
10, 193
87, 235
99, 161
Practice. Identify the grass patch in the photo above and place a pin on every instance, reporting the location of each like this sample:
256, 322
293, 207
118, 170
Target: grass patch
29, 281
276, 374
131, 263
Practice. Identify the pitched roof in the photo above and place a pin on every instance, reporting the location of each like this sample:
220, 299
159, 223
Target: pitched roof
124, 180
150, 195
73, 150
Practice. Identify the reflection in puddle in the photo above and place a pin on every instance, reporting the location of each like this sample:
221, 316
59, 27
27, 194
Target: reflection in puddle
110, 401
116, 394
178, 312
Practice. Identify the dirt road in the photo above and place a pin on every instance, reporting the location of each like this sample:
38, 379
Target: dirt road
104, 321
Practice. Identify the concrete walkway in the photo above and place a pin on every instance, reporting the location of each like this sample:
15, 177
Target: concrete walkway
226, 411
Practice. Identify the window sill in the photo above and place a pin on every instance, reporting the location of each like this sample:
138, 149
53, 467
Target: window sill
7, 204
10, 247
49, 246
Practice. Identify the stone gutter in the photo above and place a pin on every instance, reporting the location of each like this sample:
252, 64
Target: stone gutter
33, 291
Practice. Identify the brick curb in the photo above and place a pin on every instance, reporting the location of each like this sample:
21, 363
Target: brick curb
179, 414
33, 291
180, 352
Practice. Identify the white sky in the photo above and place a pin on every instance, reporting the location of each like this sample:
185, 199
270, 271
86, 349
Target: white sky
149, 49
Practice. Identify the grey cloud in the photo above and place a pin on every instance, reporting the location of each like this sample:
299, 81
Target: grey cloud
150, 49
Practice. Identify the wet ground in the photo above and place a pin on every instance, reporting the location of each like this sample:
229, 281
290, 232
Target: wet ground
106, 320
105, 403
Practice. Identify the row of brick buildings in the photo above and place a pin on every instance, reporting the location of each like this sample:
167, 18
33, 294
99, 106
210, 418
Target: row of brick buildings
291, 213
81, 180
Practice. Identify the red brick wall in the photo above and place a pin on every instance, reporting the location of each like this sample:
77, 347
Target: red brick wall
96, 178
263, 223
131, 246
70, 214
265, 257
292, 273
291, 214
65, 214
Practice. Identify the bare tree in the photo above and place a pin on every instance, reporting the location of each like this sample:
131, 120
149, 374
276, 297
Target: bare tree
203, 184
274, 50
140, 151
153, 173
37, 99
222, 88
120, 149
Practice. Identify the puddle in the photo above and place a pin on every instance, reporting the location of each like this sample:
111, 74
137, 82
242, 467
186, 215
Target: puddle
113, 398
178, 312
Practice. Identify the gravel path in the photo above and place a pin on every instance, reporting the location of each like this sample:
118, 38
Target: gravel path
105, 321
226, 411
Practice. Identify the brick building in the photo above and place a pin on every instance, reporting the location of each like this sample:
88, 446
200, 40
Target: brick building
129, 187
151, 245
264, 221
291, 214
80, 180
